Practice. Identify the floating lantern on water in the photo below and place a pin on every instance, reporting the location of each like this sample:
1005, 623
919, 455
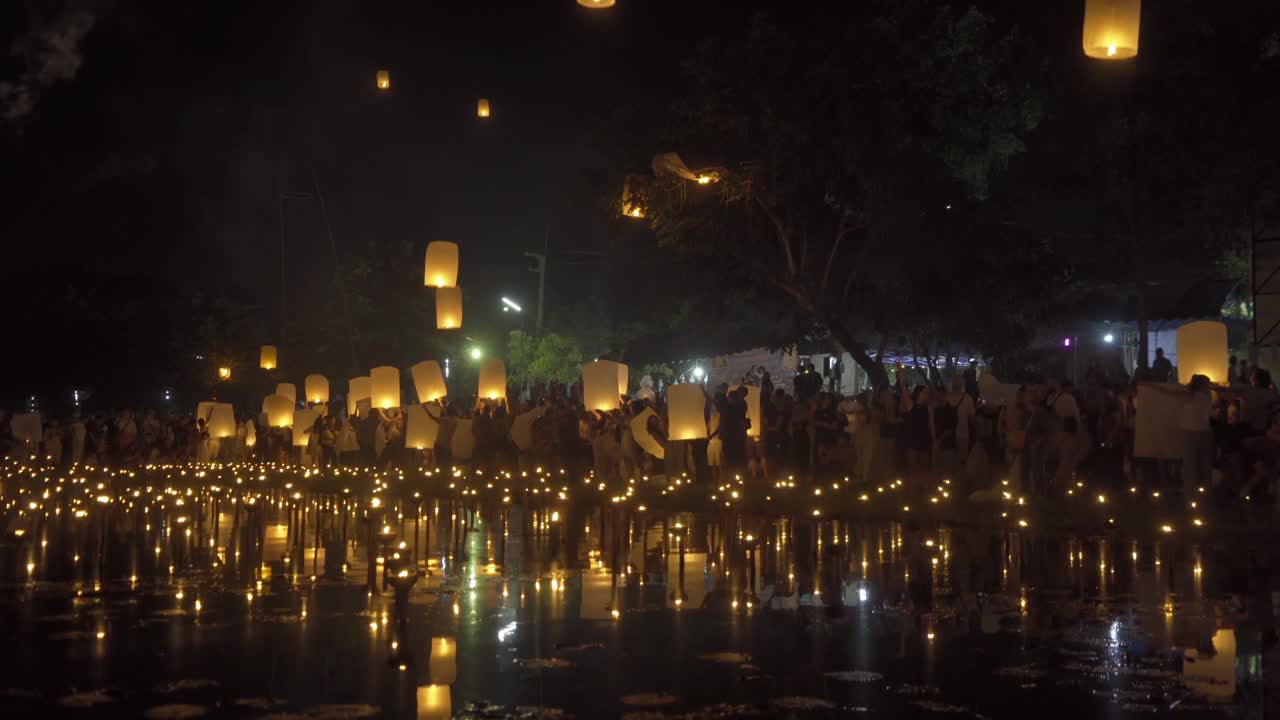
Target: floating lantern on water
358, 388
267, 357
420, 431
493, 379
1202, 350
448, 308
279, 410
442, 668
1111, 28
482, 108
384, 80
287, 390
440, 269
686, 405
317, 388
434, 702
428, 381
602, 382
384, 387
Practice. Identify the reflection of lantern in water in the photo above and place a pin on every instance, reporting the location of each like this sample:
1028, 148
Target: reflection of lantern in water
448, 308
279, 410
434, 702
420, 431
493, 379
482, 107
1111, 28
316, 387
686, 405
440, 269
267, 357
384, 80
384, 387
357, 389
1202, 350
428, 381
600, 382
443, 666
287, 390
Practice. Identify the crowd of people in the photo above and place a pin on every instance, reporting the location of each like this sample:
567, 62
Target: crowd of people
923, 432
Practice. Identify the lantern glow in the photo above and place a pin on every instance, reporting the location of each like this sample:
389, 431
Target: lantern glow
600, 383
1202, 350
1111, 29
440, 269
421, 430
442, 668
316, 387
448, 308
222, 421
596, 4
493, 379
434, 702
279, 410
287, 390
384, 80
482, 108
429, 381
384, 387
224, 373
267, 357
685, 412
358, 388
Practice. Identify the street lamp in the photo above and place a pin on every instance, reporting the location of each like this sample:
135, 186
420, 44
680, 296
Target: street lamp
508, 305
476, 353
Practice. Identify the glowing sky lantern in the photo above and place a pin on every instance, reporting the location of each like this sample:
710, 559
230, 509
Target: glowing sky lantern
493, 379
279, 410
686, 405
222, 421
287, 390
384, 79
421, 430
440, 269
482, 107
316, 387
596, 4
250, 434
358, 388
384, 387
600, 383
624, 379
631, 206
448, 308
1202, 350
428, 380
267, 357
303, 421
1111, 28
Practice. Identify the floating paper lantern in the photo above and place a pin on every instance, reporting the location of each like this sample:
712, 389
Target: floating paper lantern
222, 421
522, 427
420, 430
753, 409
631, 201
640, 430
624, 379
204, 410
267, 357
448, 308
428, 381
1111, 28
288, 390
1202, 350
596, 4
442, 668
358, 388
600, 383
441, 267
493, 379
482, 108
686, 405
384, 80
303, 421
317, 388
384, 387
279, 410
434, 702
250, 434
224, 373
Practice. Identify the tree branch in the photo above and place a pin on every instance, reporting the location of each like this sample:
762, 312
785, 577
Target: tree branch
841, 231
781, 231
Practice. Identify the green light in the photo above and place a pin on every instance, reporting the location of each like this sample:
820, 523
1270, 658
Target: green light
476, 353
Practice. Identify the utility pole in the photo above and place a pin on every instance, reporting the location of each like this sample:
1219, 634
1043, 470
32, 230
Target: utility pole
540, 267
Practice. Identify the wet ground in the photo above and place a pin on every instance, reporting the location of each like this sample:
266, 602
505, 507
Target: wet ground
521, 610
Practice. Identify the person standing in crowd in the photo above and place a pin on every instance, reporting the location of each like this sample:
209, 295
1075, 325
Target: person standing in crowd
1161, 368
1062, 406
1197, 437
733, 430
77, 438
126, 435
917, 433
715, 444
963, 403
367, 428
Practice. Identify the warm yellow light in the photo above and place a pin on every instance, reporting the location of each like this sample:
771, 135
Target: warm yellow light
224, 373
440, 268
482, 108
448, 308
1111, 28
596, 4
1202, 350
267, 357
384, 80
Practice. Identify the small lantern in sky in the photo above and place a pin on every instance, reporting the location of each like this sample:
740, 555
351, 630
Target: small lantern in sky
358, 388
384, 387
448, 308
600, 383
441, 267
267, 357
316, 387
1202, 350
384, 80
279, 410
224, 373
1111, 28
596, 4
288, 390
429, 381
420, 429
482, 108
493, 379
686, 406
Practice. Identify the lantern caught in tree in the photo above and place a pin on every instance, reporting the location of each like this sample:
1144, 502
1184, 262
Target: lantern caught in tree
686, 408
441, 267
429, 381
279, 410
384, 387
267, 357
1202, 350
482, 108
358, 388
316, 387
384, 80
448, 308
493, 379
631, 206
1111, 28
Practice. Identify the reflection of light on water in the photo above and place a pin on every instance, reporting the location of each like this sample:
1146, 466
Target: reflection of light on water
1213, 675
506, 631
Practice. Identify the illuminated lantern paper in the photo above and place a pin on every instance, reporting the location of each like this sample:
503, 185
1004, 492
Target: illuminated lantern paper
442, 668
463, 442
279, 410
428, 381
624, 379
441, 267
522, 427
631, 206
287, 390
434, 702
596, 4
1202, 350
600, 382
317, 388
27, 426
640, 431
222, 421
303, 421
384, 387
384, 80
753, 409
482, 108
420, 430
448, 308
1111, 28
358, 388
267, 357
204, 410
686, 405
493, 379
250, 434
